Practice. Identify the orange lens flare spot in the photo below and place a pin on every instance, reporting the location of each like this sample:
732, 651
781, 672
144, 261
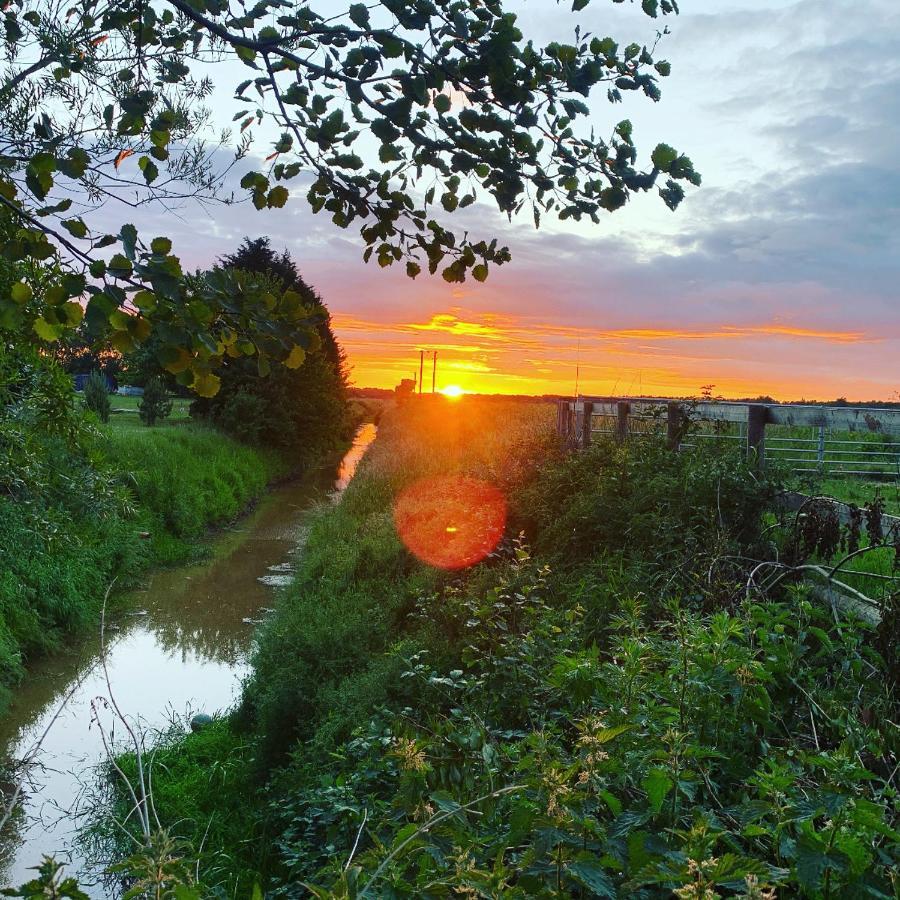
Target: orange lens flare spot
450, 521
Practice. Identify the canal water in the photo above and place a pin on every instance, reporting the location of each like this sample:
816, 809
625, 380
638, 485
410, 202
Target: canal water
181, 648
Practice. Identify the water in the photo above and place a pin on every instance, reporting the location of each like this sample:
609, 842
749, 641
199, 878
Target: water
182, 648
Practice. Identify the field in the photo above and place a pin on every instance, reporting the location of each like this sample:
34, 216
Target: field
610, 698
125, 410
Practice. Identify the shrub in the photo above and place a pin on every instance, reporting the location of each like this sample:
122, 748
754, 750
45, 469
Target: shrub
155, 403
96, 396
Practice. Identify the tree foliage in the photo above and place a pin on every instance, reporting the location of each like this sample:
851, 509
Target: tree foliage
388, 116
96, 396
298, 408
156, 403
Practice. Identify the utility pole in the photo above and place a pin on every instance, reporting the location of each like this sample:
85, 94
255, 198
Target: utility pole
434, 372
421, 367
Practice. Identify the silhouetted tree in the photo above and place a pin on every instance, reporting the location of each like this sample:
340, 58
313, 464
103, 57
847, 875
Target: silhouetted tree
302, 410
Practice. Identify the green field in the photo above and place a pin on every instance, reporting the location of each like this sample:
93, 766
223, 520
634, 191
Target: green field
125, 408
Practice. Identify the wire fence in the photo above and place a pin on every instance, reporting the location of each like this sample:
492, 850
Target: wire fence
805, 449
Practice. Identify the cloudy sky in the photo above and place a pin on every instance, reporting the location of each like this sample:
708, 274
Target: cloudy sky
780, 275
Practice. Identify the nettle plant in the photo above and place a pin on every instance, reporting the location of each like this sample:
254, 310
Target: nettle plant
692, 755
388, 115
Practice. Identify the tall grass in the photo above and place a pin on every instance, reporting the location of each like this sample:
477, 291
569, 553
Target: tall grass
187, 479
319, 663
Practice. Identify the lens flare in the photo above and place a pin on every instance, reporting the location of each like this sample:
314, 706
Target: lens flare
450, 521
452, 391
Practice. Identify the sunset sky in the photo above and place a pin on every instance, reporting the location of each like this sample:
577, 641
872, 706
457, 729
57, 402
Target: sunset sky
780, 275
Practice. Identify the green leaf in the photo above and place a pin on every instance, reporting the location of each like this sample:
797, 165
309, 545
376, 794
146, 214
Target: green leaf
206, 384
128, 236
75, 227
75, 163
144, 301
613, 198
73, 312
663, 157
612, 801
45, 331
295, 358
149, 168
480, 272
120, 266
587, 870
278, 196
161, 245
442, 103
39, 174
609, 734
359, 15
119, 319
245, 54
21, 293
657, 784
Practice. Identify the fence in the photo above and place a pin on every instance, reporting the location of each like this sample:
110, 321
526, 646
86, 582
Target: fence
824, 439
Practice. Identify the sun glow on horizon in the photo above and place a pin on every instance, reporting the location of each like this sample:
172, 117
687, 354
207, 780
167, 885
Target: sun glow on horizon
453, 391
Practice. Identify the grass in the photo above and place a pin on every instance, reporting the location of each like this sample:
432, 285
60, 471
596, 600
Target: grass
186, 480
598, 709
860, 491
323, 662
792, 447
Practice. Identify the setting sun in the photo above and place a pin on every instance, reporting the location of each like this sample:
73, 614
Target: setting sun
453, 391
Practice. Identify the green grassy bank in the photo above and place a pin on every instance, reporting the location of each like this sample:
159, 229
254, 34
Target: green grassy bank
128, 498
609, 705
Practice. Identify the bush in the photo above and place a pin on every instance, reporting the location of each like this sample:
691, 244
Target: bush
190, 478
155, 403
96, 396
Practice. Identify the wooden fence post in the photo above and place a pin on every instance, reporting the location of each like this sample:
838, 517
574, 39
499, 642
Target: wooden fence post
757, 415
674, 416
579, 422
623, 407
588, 424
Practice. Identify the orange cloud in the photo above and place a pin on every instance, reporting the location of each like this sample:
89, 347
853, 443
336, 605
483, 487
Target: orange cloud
450, 324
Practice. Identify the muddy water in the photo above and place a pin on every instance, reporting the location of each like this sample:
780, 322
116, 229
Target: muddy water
181, 649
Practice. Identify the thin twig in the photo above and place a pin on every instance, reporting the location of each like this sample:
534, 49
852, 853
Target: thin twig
356, 842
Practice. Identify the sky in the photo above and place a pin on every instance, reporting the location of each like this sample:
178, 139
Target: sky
779, 276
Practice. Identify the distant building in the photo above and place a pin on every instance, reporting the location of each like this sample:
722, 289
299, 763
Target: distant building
81, 380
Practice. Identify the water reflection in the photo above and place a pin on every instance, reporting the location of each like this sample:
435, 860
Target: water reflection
184, 650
